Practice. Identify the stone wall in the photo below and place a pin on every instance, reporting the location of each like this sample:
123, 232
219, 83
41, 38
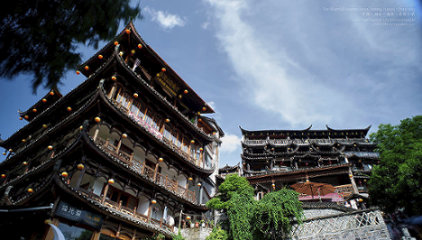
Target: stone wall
196, 233
364, 225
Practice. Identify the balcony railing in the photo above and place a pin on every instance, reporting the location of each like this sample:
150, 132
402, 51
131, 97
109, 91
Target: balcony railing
157, 134
132, 212
144, 170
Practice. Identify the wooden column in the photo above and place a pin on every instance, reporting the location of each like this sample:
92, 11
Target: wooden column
119, 144
113, 89
97, 130
50, 233
105, 193
149, 211
79, 180
96, 236
155, 171
352, 181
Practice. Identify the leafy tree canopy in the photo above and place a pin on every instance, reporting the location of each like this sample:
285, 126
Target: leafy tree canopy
249, 219
396, 182
40, 37
218, 234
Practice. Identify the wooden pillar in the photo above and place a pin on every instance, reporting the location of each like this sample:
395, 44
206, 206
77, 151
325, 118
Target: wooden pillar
149, 211
50, 233
119, 144
113, 89
352, 181
96, 236
155, 171
97, 130
105, 193
79, 181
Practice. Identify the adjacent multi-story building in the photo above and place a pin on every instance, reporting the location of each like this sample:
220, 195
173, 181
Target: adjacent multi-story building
273, 159
125, 155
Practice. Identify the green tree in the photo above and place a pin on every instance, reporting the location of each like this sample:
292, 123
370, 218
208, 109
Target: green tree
268, 218
275, 212
397, 181
235, 198
218, 234
40, 38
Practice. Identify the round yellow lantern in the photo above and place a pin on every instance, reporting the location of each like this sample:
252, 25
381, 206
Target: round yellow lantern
185, 91
204, 109
192, 141
124, 135
167, 120
86, 67
127, 31
44, 126
114, 78
25, 163
65, 174
80, 166
160, 159
34, 110
111, 181
153, 201
188, 218
97, 119
190, 178
50, 147
100, 56
3, 175
26, 117
23, 140
135, 95
69, 109
30, 190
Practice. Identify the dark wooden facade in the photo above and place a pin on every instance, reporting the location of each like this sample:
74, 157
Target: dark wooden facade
273, 159
119, 157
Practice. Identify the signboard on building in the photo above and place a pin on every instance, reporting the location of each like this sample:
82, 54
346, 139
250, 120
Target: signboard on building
77, 215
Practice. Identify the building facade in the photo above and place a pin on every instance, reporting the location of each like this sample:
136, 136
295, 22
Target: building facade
125, 155
273, 159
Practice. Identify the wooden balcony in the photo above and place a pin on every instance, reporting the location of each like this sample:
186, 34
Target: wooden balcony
152, 174
344, 190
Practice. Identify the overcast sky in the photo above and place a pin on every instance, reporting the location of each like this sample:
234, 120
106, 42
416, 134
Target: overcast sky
278, 64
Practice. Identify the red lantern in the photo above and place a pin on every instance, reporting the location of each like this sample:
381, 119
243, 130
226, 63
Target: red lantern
26, 117
127, 31
114, 78
135, 95
3, 175
100, 56
20, 118
69, 109
185, 91
25, 163
77, 72
86, 67
116, 43
167, 120
110, 181
153, 201
51, 93
199, 184
204, 109
163, 69
124, 135
65, 174
44, 100
139, 46
97, 119
201, 149
30, 190
160, 159
34, 110
50, 147
192, 141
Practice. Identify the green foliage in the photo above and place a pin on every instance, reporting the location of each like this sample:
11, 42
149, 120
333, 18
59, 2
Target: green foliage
397, 181
218, 234
251, 219
274, 212
178, 236
40, 37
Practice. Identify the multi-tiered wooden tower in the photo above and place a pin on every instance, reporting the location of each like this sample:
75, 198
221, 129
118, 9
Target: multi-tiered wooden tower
126, 154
